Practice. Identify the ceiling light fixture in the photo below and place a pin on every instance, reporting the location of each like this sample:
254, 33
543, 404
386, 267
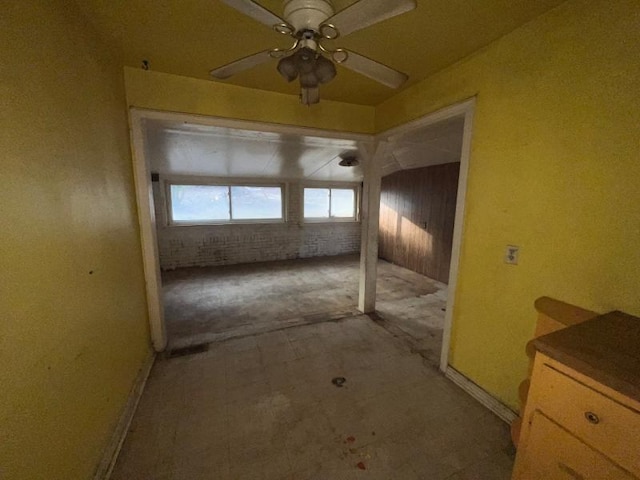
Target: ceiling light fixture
310, 23
311, 68
349, 160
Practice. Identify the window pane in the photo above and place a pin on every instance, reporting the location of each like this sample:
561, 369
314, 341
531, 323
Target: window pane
316, 203
199, 203
255, 203
342, 203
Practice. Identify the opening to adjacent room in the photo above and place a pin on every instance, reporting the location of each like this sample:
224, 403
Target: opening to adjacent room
418, 199
256, 231
278, 243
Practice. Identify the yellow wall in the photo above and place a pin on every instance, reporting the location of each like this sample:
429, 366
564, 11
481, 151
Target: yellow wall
555, 169
173, 93
71, 342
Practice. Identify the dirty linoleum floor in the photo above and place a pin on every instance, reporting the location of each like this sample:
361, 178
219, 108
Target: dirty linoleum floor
264, 407
216, 303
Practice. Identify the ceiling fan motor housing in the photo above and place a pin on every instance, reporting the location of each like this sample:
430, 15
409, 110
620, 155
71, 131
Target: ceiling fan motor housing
307, 14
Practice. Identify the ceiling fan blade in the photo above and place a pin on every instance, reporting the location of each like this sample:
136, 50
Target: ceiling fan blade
374, 70
241, 65
255, 11
368, 12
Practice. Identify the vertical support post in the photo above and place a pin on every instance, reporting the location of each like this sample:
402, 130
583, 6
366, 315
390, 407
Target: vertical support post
370, 221
147, 221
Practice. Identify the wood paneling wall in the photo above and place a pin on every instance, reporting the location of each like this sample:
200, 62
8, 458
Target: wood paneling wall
417, 211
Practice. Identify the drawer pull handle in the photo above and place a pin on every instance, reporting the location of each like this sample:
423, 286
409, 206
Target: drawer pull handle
592, 418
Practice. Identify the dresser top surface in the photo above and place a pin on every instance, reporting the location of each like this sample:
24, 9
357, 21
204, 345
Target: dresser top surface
605, 348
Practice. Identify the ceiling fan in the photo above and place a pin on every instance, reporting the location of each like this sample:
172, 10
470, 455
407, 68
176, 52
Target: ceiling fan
309, 23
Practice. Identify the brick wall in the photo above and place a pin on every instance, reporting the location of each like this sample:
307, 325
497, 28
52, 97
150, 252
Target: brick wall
210, 245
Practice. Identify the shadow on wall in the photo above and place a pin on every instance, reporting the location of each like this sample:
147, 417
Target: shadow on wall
417, 214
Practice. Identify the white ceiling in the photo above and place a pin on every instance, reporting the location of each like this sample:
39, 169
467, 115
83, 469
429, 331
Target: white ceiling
199, 150
429, 145
190, 149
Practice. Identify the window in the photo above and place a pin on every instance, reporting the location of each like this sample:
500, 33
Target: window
197, 203
330, 203
224, 203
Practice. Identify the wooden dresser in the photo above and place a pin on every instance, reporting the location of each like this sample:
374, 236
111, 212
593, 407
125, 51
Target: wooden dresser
553, 315
582, 416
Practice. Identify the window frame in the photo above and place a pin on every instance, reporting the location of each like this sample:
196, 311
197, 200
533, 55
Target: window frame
210, 182
357, 193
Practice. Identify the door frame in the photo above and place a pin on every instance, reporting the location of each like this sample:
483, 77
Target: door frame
464, 109
144, 192
146, 212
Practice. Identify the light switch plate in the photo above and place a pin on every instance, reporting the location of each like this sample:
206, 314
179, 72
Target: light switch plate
511, 254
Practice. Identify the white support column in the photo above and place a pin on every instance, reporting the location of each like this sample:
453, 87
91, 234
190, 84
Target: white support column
370, 221
147, 221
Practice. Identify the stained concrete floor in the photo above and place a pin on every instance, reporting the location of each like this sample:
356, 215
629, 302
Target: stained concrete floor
217, 303
264, 407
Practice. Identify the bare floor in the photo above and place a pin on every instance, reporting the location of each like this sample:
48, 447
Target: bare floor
265, 407
216, 303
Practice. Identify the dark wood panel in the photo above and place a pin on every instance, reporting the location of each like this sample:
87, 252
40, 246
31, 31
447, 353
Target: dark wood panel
417, 212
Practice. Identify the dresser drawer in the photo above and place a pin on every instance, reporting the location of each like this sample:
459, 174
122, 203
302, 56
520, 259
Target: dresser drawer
554, 454
597, 420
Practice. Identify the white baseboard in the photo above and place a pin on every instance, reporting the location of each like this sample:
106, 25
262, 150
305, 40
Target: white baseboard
481, 395
103, 472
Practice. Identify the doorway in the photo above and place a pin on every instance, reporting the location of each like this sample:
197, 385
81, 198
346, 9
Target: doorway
424, 183
417, 212
147, 215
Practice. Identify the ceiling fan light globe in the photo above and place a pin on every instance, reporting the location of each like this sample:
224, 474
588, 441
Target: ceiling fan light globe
309, 80
325, 70
309, 96
287, 68
305, 60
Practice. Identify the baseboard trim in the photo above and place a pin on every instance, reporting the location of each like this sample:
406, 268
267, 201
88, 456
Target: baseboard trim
103, 472
481, 395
